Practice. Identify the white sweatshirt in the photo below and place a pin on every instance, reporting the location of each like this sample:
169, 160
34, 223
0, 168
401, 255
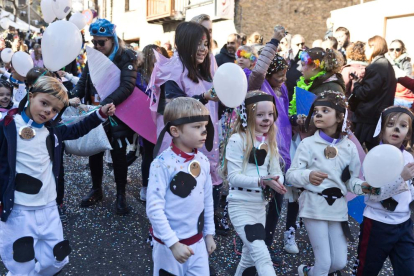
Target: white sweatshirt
175, 218
310, 157
400, 190
247, 177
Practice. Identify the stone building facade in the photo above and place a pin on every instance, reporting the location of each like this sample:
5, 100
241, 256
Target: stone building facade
306, 17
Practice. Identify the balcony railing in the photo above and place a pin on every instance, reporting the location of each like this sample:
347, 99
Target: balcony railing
159, 11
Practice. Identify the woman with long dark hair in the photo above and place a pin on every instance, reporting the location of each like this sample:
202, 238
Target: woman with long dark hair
187, 74
374, 92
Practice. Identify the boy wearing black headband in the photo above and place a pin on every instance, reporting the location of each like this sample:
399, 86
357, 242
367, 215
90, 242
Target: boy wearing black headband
179, 196
30, 156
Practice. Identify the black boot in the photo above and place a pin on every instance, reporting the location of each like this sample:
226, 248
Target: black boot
92, 197
121, 205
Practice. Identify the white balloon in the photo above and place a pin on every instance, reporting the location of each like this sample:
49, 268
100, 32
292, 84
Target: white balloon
78, 19
6, 55
382, 165
61, 8
61, 44
47, 11
230, 84
22, 63
4, 23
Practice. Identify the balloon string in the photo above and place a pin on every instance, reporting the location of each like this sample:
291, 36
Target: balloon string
112, 121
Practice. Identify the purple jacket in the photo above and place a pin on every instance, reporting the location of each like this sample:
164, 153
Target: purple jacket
284, 133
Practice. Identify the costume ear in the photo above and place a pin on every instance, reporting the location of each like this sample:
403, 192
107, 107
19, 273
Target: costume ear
210, 135
160, 138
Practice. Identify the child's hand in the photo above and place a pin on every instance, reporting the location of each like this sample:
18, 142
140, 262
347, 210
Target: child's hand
74, 102
181, 252
408, 172
208, 96
367, 189
108, 109
210, 244
279, 32
316, 178
275, 185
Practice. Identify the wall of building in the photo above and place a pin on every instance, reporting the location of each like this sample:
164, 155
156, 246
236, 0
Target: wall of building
306, 17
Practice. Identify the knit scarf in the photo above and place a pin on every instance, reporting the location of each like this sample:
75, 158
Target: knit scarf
304, 85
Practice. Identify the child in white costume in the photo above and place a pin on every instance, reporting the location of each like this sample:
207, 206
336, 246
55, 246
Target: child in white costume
326, 166
179, 196
387, 229
30, 151
253, 169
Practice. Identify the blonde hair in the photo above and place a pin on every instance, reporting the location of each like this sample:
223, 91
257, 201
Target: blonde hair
183, 107
250, 50
248, 134
53, 87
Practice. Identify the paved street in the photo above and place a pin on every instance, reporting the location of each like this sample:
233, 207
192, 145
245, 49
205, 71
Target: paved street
106, 244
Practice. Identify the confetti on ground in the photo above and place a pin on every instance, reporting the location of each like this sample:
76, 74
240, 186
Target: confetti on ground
106, 244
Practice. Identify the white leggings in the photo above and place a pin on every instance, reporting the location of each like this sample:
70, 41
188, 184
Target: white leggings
329, 246
255, 253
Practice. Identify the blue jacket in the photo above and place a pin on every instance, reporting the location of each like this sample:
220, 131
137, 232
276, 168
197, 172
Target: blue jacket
8, 148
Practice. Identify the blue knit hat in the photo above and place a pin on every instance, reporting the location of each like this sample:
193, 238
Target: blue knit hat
103, 27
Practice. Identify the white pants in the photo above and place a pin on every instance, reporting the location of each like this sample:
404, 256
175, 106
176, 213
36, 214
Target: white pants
255, 252
44, 225
329, 246
196, 265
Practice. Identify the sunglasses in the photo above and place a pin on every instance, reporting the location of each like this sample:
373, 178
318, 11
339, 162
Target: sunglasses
301, 44
99, 42
396, 49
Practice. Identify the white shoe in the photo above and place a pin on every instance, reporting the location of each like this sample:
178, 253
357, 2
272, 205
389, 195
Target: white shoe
289, 241
303, 270
143, 194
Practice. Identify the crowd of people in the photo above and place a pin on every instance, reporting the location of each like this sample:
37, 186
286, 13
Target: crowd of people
252, 157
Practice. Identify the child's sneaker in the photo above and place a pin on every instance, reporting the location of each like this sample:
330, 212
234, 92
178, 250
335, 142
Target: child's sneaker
62, 213
220, 228
336, 273
303, 270
289, 241
143, 194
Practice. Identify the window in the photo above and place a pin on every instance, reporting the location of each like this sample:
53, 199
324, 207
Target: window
131, 5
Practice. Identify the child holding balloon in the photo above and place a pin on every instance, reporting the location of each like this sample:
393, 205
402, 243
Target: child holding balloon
387, 229
326, 166
252, 168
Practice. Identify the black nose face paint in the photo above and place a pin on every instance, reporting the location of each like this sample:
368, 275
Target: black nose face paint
318, 115
204, 132
265, 120
397, 129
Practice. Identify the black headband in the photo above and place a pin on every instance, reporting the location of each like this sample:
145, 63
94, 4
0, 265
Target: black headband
258, 98
187, 120
321, 102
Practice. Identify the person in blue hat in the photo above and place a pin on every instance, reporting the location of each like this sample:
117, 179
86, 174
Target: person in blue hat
107, 42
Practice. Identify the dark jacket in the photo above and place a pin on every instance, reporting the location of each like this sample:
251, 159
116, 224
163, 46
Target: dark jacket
293, 74
375, 92
126, 61
224, 56
329, 81
8, 148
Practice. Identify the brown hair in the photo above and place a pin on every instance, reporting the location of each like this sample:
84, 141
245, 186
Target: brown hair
343, 29
356, 51
380, 46
255, 38
53, 87
35, 73
333, 61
